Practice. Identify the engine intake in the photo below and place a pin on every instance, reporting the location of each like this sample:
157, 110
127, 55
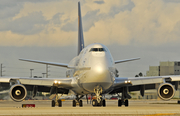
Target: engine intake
18, 92
166, 91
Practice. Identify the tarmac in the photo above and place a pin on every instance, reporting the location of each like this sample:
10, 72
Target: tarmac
135, 108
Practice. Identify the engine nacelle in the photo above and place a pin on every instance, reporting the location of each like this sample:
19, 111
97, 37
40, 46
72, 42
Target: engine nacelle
166, 91
18, 92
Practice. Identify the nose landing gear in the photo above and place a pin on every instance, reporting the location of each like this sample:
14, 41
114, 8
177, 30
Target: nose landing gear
98, 101
102, 103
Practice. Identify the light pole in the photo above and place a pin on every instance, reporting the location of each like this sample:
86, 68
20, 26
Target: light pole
1, 70
31, 72
47, 67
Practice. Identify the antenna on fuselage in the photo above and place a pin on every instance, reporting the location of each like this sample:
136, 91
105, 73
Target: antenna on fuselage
80, 30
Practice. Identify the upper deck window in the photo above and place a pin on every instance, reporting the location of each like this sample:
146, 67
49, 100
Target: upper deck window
97, 50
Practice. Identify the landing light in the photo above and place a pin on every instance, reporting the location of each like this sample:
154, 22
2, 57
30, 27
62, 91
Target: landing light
55, 82
127, 81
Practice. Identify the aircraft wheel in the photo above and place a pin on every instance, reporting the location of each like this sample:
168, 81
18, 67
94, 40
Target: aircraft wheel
94, 102
53, 103
99, 104
104, 103
74, 103
80, 103
126, 103
59, 103
119, 103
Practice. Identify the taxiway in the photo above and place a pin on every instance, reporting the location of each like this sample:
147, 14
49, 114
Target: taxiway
136, 108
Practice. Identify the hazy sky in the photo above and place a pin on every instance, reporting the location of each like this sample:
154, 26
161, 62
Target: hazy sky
47, 30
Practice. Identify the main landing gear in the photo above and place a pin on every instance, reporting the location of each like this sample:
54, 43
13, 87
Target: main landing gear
56, 102
124, 98
99, 101
77, 101
123, 102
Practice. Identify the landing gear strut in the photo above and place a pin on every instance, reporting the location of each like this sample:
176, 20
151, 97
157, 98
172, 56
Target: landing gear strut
98, 101
77, 101
123, 102
57, 101
124, 98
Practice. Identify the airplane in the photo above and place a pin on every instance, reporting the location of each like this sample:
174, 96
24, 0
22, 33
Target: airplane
92, 71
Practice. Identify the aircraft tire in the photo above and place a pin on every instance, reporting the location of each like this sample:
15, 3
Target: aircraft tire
126, 103
59, 103
104, 103
119, 103
99, 104
53, 103
74, 103
94, 102
80, 103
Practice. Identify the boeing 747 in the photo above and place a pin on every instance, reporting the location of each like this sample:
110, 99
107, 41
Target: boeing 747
93, 72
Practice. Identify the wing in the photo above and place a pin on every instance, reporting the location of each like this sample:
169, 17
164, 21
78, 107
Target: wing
126, 60
4, 91
161, 83
23, 84
134, 81
61, 82
153, 80
43, 62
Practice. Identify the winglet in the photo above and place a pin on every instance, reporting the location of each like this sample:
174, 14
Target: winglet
80, 31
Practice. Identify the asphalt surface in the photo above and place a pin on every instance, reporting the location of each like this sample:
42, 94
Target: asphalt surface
136, 108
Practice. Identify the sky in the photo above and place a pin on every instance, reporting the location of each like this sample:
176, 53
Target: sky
47, 30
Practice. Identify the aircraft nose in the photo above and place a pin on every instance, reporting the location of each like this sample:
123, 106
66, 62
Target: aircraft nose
100, 73
100, 69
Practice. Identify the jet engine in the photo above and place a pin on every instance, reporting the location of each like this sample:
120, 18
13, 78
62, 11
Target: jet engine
166, 91
17, 92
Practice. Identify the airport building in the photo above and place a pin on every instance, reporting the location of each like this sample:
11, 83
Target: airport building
165, 68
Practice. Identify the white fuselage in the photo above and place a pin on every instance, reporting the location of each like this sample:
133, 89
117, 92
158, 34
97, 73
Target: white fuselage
94, 66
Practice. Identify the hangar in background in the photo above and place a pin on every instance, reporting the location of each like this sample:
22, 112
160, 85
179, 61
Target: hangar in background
165, 68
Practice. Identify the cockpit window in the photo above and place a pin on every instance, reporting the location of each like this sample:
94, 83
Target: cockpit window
97, 50
101, 49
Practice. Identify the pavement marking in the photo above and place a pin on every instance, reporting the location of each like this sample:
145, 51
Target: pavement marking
161, 114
